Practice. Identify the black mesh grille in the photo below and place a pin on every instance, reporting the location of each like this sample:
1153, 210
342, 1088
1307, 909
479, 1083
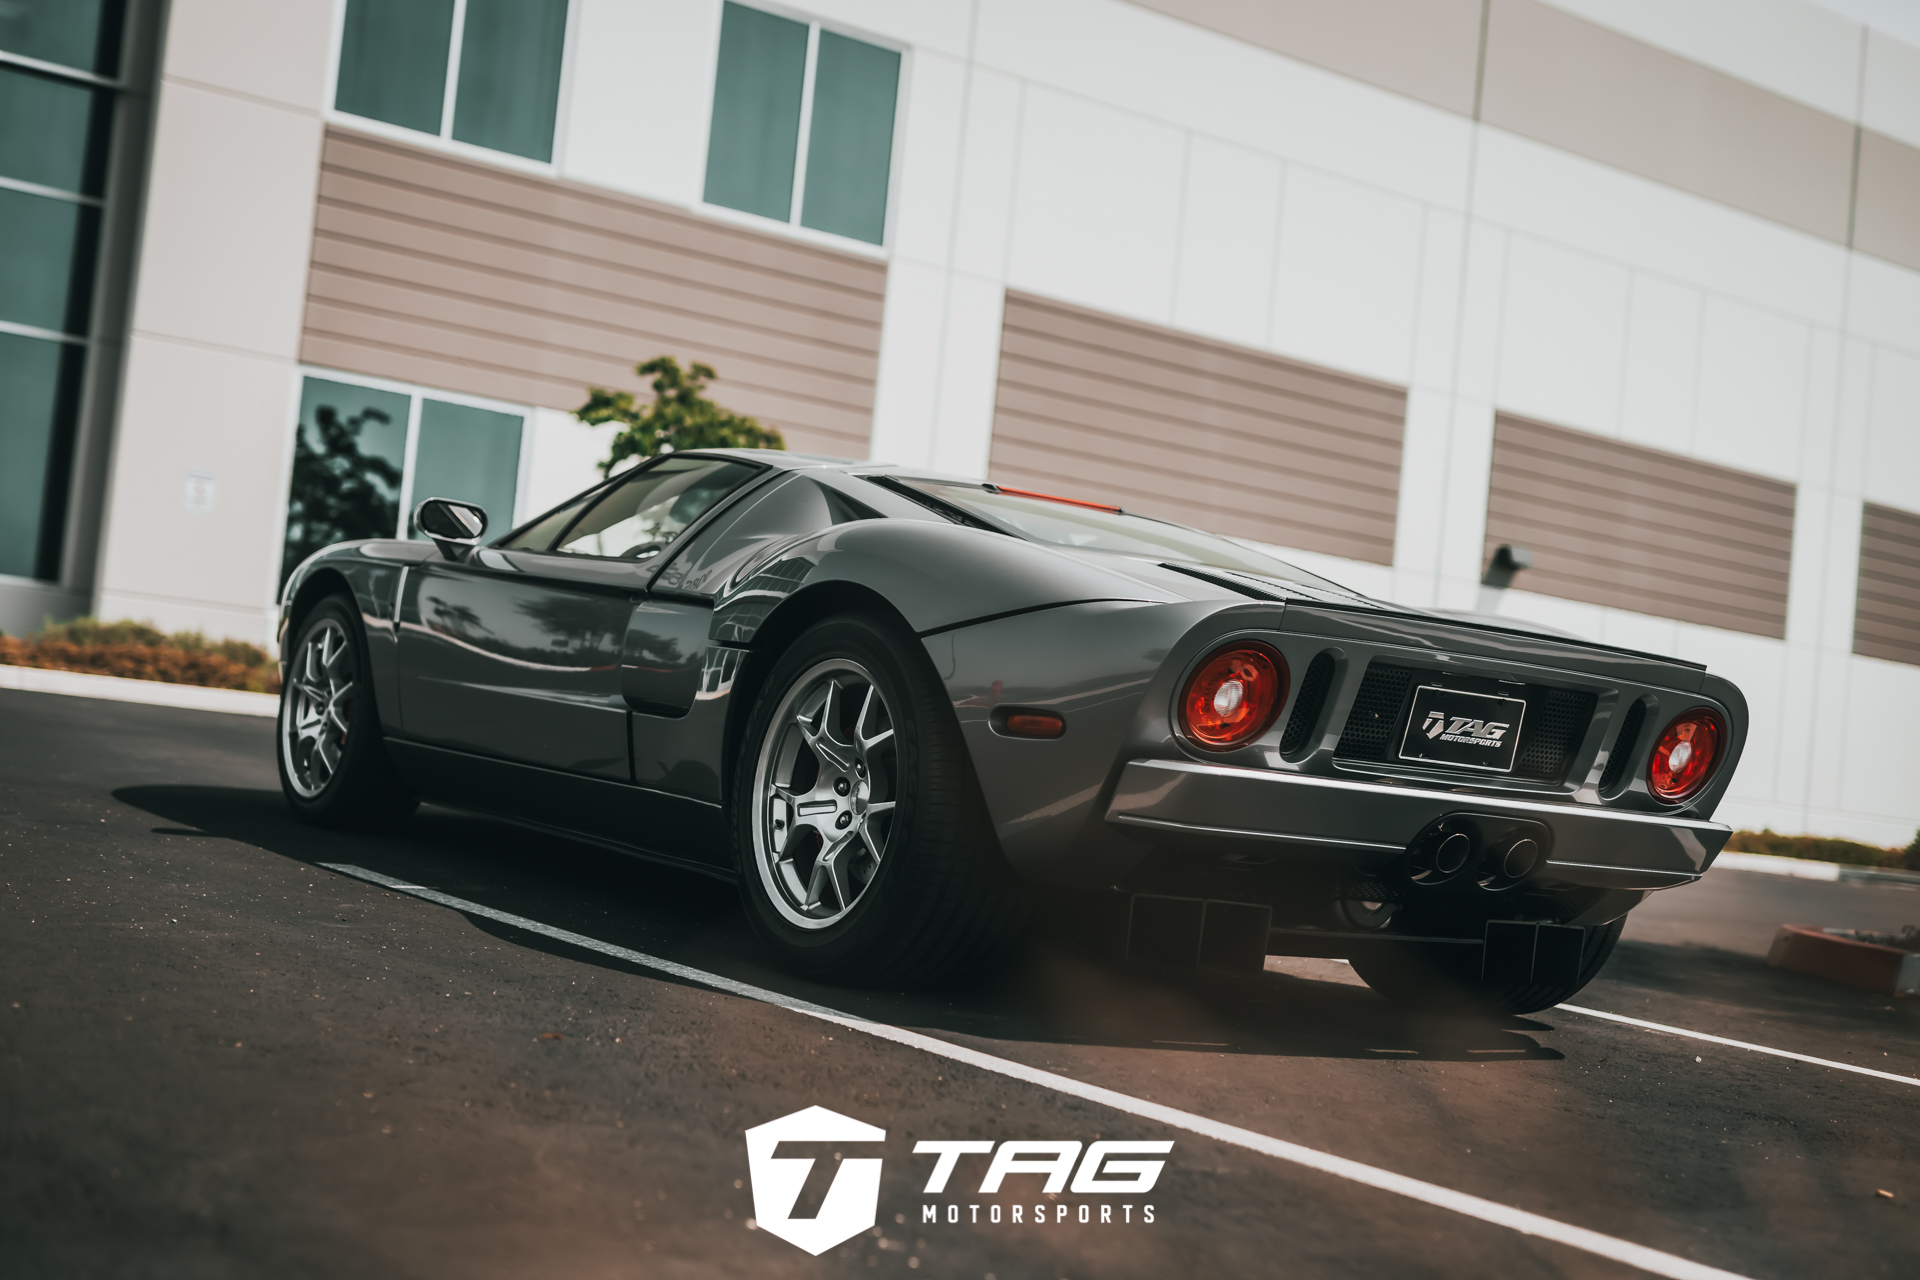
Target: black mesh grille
1376, 712
1556, 721
1306, 708
1623, 746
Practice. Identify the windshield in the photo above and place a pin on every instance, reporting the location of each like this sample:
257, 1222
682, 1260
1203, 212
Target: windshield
1068, 522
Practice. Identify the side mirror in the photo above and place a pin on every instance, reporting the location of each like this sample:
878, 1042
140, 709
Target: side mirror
454, 526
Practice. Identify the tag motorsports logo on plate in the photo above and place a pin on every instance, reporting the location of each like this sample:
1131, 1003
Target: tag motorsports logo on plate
852, 1200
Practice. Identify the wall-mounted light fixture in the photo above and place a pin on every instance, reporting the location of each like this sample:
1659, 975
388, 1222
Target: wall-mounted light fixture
1506, 562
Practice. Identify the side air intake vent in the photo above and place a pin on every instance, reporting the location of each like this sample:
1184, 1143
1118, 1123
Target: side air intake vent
1623, 746
1306, 708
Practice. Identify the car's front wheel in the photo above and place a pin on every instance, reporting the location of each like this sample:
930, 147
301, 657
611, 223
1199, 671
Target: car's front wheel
863, 846
334, 767
1446, 978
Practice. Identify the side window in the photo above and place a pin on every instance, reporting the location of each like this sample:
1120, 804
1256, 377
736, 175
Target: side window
773, 74
496, 86
363, 457
642, 517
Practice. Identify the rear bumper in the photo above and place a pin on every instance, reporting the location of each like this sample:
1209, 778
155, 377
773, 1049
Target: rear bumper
1362, 825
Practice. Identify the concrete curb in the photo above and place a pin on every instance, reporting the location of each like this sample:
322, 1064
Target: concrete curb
1773, 864
1836, 955
81, 684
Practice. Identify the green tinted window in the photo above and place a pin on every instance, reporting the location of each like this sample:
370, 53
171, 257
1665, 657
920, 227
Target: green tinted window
38, 382
470, 454
850, 140
347, 456
46, 261
393, 61
509, 86
52, 132
74, 33
756, 112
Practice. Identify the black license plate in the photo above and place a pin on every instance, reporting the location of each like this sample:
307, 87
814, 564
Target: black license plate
1463, 730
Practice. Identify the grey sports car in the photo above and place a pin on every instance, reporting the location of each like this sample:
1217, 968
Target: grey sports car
891, 705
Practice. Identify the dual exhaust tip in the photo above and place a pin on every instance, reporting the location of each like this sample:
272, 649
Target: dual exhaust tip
1491, 853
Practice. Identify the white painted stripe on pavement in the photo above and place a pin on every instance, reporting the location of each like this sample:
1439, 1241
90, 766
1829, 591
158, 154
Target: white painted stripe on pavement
1532, 1224
1738, 1044
158, 693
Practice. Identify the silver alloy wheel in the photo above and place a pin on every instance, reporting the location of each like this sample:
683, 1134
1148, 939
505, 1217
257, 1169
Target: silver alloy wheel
824, 791
316, 708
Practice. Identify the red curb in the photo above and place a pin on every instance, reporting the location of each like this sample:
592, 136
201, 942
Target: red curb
1807, 948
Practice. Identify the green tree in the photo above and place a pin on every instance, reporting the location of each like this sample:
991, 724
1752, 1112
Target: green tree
680, 417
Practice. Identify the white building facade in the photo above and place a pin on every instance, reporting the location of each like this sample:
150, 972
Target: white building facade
1386, 284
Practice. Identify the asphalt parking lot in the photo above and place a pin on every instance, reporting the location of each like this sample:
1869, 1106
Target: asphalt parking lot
218, 1057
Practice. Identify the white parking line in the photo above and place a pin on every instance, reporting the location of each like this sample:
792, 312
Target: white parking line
1739, 1044
1532, 1224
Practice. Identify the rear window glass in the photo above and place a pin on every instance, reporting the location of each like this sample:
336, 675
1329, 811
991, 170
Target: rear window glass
643, 516
1067, 522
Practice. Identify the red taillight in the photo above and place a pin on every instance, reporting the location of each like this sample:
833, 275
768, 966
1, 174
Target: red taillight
1684, 757
1234, 695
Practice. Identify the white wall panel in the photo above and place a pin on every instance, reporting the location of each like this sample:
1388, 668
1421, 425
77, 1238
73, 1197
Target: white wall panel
1893, 431
1463, 525
990, 150
1174, 71
1891, 101
277, 52
1346, 288
927, 179
1753, 386
1421, 517
969, 376
906, 392
1228, 232
1876, 796
1563, 336
1437, 320
229, 221
1583, 204
223, 413
564, 457
1883, 303
1663, 347
1096, 207
641, 91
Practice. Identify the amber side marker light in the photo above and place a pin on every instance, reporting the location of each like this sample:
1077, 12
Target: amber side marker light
1685, 754
1033, 724
1233, 696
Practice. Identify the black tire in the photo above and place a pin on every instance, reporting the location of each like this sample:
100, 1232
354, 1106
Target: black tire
333, 762
1446, 979
940, 902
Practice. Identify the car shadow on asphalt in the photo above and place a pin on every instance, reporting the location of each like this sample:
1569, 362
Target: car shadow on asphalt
1055, 993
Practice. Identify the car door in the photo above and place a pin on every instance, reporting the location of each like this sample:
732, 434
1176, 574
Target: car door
675, 678
514, 652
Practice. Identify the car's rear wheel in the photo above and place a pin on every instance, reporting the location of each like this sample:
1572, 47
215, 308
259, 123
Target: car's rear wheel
863, 846
334, 767
1445, 978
